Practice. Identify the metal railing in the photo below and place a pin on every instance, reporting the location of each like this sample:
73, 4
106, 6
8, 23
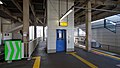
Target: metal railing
111, 48
32, 45
1, 52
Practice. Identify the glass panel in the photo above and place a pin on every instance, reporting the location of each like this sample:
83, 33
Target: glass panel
39, 31
110, 25
31, 32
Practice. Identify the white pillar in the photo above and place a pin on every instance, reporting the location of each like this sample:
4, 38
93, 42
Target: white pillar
88, 26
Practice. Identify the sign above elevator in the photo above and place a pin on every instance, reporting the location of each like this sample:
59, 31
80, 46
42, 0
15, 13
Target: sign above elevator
63, 24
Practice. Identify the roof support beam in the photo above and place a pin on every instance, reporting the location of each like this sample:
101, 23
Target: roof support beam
19, 7
96, 17
105, 10
45, 13
97, 2
100, 10
16, 28
105, 2
83, 4
32, 9
115, 11
6, 11
81, 13
37, 19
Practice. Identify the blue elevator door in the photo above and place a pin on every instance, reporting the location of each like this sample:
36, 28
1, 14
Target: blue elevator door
61, 40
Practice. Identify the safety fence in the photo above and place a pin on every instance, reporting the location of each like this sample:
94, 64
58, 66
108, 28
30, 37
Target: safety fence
111, 48
14, 49
1, 53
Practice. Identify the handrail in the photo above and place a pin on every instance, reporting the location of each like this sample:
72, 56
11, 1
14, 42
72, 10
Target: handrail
110, 48
32, 45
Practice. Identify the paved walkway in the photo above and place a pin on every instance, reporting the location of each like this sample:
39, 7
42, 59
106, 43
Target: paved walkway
78, 59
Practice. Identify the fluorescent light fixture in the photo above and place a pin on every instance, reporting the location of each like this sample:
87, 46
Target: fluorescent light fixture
97, 21
112, 23
1, 2
66, 14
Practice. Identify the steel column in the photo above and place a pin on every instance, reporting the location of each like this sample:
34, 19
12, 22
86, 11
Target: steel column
88, 26
26, 26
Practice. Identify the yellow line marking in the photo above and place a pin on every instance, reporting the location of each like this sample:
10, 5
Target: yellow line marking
100, 51
84, 61
37, 62
70, 52
106, 54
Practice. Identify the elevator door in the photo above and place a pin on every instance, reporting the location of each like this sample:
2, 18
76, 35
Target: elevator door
61, 40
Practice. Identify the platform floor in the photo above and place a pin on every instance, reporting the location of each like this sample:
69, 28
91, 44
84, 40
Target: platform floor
78, 59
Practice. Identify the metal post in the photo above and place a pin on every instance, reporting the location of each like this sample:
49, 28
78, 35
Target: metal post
35, 28
78, 32
43, 33
35, 33
26, 26
0, 31
108, 47
88, 26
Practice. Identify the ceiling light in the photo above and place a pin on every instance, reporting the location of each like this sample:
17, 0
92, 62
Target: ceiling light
66, 14
1, 2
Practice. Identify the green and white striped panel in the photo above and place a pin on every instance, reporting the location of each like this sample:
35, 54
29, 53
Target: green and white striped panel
13, 50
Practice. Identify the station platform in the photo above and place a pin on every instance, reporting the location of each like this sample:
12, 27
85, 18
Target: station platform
78, 59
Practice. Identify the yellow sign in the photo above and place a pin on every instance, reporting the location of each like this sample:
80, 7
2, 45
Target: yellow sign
64, 24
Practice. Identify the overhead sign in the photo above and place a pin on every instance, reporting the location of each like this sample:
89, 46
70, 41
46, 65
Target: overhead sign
63, 24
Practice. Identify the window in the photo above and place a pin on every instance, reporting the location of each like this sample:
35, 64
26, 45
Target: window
31, 32
110, 25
